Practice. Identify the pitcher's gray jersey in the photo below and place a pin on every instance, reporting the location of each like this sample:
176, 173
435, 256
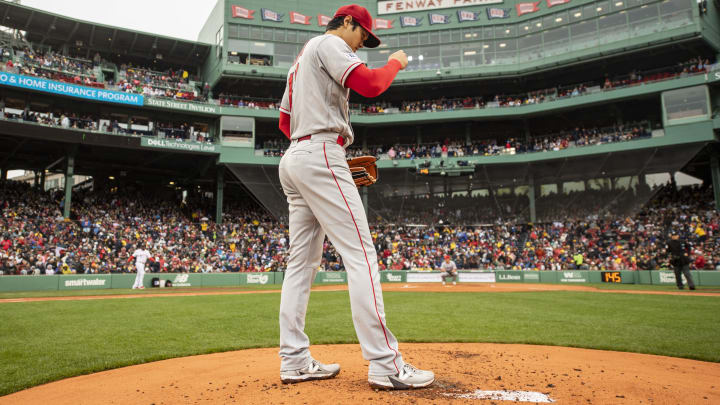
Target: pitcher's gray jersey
315, 95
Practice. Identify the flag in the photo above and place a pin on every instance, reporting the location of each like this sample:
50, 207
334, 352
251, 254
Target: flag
525, 8
498, 13
297, 18
410, 21
242, 12
551, 3
323, 20
434, 18
269, 15
383, 24
464, 15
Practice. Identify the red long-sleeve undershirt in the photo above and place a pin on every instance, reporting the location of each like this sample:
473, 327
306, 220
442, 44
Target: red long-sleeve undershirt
366, 82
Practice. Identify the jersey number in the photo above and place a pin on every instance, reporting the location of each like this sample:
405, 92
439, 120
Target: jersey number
291, 79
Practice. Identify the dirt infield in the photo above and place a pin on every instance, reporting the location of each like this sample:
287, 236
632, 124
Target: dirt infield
414, 287
563, 375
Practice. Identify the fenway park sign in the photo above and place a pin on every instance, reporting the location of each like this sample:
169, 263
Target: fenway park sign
406, 6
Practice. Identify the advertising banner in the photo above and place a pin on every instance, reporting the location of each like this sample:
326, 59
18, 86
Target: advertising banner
486, 277
509, 276
331, 277
464, 15
526, 8
72, 90
85, 282
579, 276
393, 276
498, 13
423, 277
323, 20
668, 277
297, 18
257, 278
552, 3
269, 15
182, 105
407, 21
242, 12
531, 277
179, 145
383, 24
434, 18
177, 279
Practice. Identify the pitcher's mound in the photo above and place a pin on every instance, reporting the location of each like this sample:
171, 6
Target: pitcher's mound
466, 373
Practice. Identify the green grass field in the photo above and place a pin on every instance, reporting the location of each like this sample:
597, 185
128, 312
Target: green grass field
46, 341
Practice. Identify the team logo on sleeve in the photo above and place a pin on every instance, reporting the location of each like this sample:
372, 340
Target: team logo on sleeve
352, 56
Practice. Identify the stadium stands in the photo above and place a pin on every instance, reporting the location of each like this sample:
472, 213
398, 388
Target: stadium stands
106, 226
614, 113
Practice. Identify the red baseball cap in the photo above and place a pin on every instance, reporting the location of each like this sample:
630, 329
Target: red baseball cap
363, 17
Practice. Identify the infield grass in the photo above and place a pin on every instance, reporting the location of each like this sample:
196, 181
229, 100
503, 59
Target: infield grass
46, 341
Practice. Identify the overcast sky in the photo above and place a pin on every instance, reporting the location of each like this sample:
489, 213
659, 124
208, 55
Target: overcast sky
174, 18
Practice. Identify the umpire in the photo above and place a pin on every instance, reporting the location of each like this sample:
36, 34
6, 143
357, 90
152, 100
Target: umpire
680, 261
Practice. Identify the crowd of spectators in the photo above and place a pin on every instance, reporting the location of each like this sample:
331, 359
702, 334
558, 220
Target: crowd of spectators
575, 137
247, 102
693, 66
634, 242
107, 226
175, 84
167, 130
171, 83
49, 65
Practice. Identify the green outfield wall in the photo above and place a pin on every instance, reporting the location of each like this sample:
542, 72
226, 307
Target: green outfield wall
199, 280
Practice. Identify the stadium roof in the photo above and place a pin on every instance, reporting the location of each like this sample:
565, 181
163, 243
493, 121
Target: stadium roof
56, 30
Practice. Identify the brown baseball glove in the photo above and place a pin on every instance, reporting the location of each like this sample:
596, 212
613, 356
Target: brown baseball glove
363, 170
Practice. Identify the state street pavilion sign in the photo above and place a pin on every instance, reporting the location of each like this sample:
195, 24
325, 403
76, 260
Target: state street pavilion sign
409, 6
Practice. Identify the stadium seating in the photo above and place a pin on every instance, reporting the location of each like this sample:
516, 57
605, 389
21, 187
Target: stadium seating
106, 226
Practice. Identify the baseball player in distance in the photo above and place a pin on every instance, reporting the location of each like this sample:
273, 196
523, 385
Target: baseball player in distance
323, 200
141, 256
449, 270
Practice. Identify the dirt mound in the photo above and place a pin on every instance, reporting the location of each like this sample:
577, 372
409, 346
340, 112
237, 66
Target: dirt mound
465, 374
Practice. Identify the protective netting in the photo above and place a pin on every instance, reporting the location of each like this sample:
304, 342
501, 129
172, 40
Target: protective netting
607, 184
263, 182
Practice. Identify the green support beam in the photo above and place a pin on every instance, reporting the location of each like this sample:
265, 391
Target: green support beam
69, 174
715, 171
531, 197
219, 191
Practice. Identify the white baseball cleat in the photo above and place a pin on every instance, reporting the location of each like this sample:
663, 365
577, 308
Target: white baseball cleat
454, 283
409, 377
314, 371
443, 283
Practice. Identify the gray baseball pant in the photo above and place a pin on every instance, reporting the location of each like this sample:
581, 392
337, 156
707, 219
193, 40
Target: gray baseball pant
323, 199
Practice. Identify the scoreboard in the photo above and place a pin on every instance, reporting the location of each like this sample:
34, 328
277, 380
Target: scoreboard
611, 277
